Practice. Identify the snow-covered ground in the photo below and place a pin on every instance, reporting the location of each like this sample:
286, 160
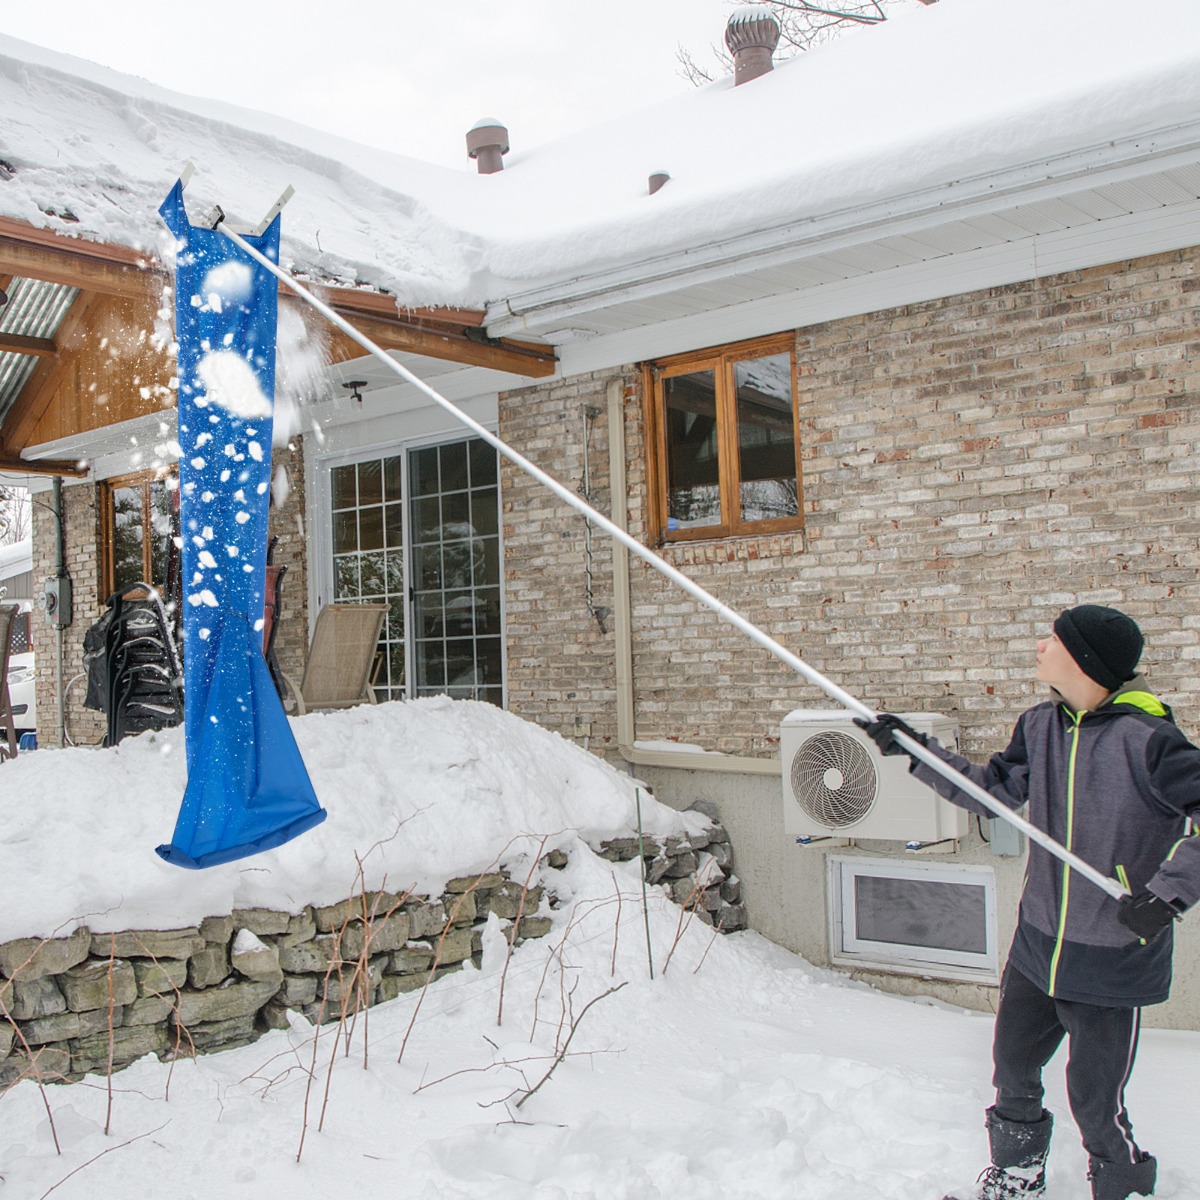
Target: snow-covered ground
738, 1070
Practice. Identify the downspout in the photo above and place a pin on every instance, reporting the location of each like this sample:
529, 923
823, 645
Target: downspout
60, 569
623, 627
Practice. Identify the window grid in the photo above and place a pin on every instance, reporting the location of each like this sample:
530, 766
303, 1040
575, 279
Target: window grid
724, 441
451, 643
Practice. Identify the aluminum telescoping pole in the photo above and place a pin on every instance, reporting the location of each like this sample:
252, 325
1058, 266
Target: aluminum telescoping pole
727, 614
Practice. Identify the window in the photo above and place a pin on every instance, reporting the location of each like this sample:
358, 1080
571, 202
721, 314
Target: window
139, 517
457, 642
725, 451
368, 555
422, 528
926, 919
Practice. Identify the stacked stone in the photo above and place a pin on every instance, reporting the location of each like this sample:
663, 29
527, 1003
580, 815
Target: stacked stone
77, 1003
696, 871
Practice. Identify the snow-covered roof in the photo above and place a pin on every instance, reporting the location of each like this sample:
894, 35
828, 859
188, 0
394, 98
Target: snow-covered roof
1000, 92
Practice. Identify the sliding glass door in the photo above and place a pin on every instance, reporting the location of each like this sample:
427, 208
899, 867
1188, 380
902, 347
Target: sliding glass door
420, 530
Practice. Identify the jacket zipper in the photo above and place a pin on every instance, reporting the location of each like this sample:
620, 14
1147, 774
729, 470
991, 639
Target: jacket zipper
1066, 870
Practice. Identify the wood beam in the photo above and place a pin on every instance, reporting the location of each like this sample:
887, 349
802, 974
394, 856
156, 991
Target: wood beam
97, 268
75, 262
13, 464
18, 343
535, 362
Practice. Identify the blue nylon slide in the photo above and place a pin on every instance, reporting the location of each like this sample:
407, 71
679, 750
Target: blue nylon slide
248, 789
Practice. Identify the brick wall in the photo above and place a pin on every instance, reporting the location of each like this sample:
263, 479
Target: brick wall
80, 540
971, 466
560, 661
288, 523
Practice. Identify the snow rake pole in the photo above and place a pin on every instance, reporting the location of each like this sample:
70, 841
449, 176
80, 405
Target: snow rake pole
727, 614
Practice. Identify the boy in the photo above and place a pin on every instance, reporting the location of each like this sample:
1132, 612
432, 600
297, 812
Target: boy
1106, 773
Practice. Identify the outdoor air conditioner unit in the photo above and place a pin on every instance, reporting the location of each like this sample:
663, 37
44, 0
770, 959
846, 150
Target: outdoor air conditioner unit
837, 784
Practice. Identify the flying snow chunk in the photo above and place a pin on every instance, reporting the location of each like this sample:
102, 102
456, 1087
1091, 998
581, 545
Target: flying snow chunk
230, 382
232, 281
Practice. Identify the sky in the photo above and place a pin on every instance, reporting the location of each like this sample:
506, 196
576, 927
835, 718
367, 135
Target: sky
407, 77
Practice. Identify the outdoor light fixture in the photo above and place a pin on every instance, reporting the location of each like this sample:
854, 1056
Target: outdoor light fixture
353, 386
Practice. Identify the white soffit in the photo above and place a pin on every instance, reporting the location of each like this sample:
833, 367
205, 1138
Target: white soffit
992, 264
670, 291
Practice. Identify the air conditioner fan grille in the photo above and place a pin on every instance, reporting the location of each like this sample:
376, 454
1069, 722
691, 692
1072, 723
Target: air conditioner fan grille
834, 779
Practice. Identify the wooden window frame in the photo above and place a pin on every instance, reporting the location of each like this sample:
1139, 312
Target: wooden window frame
720, 360
142, 479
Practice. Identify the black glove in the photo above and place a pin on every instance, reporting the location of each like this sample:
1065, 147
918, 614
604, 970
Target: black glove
1145, 914
880, 731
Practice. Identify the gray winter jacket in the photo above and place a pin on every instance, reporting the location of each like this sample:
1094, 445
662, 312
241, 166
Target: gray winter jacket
1116, 786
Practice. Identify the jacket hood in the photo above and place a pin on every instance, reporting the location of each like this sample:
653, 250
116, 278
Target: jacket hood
1135, 693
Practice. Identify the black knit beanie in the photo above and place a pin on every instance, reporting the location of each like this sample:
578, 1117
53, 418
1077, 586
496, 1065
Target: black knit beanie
1105, 643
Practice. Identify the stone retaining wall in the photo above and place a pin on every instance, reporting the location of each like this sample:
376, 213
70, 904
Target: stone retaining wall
78, 1004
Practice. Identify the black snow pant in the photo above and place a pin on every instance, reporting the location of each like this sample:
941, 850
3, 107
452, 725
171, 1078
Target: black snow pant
1103, 1041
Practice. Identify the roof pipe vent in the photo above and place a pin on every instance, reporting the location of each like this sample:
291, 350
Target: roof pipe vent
487, 143
751, 34
657, 179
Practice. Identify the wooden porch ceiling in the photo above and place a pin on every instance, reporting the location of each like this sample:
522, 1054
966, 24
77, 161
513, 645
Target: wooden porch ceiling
99, 270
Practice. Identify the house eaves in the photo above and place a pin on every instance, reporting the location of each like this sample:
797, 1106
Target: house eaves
952, 217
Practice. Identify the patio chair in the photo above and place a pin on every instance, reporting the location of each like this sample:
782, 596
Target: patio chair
8, 731
272, 606
338, 671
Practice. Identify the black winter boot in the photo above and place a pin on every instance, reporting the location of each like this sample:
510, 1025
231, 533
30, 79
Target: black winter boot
1115, 1181
1018, 1170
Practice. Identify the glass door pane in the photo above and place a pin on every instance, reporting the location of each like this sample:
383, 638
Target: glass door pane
368, 556
454, 527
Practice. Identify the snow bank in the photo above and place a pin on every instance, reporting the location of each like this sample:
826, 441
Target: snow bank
422, 792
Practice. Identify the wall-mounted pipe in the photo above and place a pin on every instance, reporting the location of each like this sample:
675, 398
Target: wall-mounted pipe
623, 616
60, 569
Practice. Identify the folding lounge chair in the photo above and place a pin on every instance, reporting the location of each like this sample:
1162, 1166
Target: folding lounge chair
338, 672
272, 604
8, 731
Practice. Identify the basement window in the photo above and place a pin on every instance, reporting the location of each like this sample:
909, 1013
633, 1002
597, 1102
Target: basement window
912, 918
725, 450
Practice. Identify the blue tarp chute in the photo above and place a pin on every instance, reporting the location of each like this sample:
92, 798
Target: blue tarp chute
248, 789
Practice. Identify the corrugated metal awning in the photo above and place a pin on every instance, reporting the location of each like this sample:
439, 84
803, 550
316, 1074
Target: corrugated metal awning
34, 309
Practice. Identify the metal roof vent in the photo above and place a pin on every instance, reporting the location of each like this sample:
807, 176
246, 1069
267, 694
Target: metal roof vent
487, 143
657, 179
751, 34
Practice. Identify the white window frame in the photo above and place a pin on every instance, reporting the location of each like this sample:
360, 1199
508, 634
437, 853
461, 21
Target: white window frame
321, 558
848, 950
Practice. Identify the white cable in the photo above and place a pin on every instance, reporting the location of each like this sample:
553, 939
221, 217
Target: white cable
727, 614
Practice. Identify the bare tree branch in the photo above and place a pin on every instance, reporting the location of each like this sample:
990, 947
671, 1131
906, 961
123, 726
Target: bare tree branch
802, 25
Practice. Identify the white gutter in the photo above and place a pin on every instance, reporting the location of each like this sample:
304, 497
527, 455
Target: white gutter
1107, 164
623, 627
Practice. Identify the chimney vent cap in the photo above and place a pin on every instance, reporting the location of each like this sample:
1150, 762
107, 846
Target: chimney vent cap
752, 25
487, 132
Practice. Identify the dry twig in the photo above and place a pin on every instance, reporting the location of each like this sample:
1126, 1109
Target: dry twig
562, 1053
